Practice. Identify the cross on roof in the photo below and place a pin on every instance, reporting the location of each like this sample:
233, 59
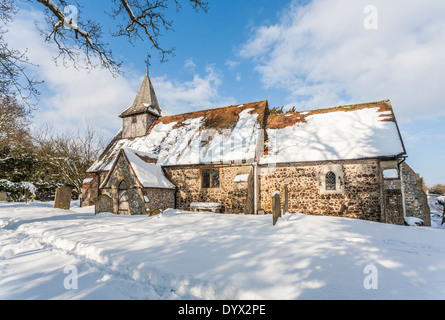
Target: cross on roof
147, 62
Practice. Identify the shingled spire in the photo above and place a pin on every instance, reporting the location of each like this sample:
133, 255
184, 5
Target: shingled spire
143, 112
145, 101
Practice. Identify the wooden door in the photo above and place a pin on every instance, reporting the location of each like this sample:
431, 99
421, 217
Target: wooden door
123, 205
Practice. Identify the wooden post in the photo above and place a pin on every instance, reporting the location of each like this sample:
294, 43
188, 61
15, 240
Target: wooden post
276, 207
286, 200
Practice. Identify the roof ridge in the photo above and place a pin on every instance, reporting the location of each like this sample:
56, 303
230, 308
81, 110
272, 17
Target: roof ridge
387, 101
217, 108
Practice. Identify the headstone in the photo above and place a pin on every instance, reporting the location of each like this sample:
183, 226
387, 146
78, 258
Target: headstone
104, 203
2, 196
276, 207
63, 198
286, 200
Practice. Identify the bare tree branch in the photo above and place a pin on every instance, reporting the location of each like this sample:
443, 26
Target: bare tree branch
142, 19
14, 78
80, 42
73, 41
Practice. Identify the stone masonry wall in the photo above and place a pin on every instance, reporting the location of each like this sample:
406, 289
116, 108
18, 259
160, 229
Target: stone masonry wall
360, 197
161, 199
416, 200
121, 172
158, 198
90, 190
233, 196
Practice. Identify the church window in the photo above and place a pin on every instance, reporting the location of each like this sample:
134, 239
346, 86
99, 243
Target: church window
134, 119
206, 178
215, 178
210, 178
330, 181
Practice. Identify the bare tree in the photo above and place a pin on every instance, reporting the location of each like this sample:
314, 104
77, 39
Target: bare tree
14, 122
14, 79
65, 157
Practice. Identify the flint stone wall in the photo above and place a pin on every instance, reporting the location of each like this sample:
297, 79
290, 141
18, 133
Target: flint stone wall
416, 200
158, 198
161, 199
235, 197
90, 190
360, 196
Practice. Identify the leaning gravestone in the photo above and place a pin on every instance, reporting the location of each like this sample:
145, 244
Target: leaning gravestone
2, 196
276, 207
63, 198
104, 203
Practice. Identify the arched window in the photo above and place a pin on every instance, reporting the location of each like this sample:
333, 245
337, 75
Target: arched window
331, 179
123, 185
331, 182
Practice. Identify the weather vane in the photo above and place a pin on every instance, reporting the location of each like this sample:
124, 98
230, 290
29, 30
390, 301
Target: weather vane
147, 62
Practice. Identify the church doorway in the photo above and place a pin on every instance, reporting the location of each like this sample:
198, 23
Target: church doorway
123, 205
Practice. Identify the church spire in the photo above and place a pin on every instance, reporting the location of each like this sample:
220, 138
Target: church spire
146, 100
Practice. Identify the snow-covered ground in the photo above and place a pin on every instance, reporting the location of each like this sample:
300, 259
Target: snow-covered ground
48, 253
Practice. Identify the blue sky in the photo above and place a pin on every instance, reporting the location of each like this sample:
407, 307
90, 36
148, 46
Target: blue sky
311, 54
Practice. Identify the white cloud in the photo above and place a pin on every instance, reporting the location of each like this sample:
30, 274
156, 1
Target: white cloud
232, 64
197, 94
323, 55
189, 64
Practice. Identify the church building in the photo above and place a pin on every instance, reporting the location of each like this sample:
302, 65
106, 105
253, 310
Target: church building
347, 161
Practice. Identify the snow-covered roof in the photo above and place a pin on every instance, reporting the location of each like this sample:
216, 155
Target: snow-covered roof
347, 132
221, 135
235, 134
149, 175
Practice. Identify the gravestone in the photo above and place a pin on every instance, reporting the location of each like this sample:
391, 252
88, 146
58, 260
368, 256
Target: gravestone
104, 203
63, 198
2, 196
286, 200
276, 207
